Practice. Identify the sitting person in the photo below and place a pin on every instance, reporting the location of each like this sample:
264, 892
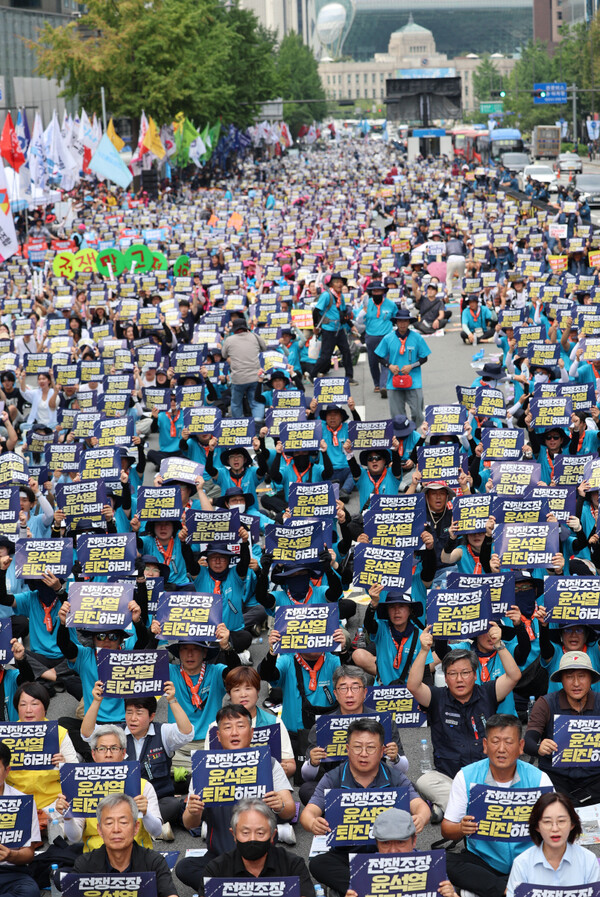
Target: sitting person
15, 880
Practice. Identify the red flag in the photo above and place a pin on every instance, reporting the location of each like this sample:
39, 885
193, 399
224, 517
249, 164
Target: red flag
9, 145
303, 131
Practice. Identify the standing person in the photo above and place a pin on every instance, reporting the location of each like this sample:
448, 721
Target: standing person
404, 352
242, 350
378, 323
329, 316
456, 254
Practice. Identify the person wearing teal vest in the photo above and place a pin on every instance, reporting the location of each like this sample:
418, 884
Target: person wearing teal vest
484, 865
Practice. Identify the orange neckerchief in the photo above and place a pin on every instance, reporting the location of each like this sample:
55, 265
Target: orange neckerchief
485, 674
313, 672
379, 481
334, 436
48, 623
216, 586
403, 343
194, 689
173, 420
478, 568
167, 552
528, 624
300, 474
399, 650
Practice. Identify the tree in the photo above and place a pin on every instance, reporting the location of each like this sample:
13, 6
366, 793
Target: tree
486, 78
164, 56
298, 79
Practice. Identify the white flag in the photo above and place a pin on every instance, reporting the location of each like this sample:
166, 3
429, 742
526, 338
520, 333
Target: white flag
36, 154
63, 169
197, 149
168, 140
8, 237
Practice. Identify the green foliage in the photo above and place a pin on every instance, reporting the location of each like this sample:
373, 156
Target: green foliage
486, 79
298, 79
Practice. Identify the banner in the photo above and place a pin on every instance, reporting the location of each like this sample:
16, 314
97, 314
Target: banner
65, 456
35, 557
313, 499
182, 470
239, 432
132, 674
351, 814
291, 544
301, 436
16, 814
502, 814
526, 545
114, 431
569, 470
370, 434
411, 874
459, 615
489, 403
307, 627
578, 740
212, 526
189, 616
400, 528
444, 419
159, 503
109, 884
264, 886
510, 478
225, 777
501, 586
332, 731
82, 502
397, 700
554, 411
390, 567
32, 745
110, 555
202, 420
571, 599
13, 469
85, 784
332, 390
101, 464
471, 512
100, 606
441, 462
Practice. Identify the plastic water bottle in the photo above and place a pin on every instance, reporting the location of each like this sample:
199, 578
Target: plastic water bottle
255, 641
54, 825
425, 761
54, 892
319, 892
530, 704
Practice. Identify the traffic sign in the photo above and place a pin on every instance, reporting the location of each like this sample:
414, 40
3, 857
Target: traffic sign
550, 93
491, 107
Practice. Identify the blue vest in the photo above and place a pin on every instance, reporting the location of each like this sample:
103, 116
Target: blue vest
155, 762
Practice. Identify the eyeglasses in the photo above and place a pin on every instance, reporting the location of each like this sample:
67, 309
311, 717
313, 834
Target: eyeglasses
344, 689
108, 636
363, 748
459, 674
575, 630
109, 749
374, 458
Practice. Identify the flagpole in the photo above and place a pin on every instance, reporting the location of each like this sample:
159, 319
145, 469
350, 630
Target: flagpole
103, 109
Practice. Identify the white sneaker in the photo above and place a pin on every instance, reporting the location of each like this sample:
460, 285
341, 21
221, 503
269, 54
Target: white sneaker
286, 833
439, 333
166, 833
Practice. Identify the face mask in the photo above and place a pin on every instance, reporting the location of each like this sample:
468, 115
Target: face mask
298, 586
525, 601
377, 299
241, 507
540, 378
252, 850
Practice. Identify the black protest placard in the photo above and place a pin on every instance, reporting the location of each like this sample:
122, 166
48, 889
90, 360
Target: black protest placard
397, 700
220, 777
388, 567
131, 674
85, 784
82, 502
181, 470
112, 555
100, 606
202, 420
159, 503
514, 478
64, 456
502, 445
212, 526
455, 614
470, 512
114, 431
313, 499
307, 627
370, 434
443, 419
398, 528
101, 464
500, 585
36, 557
441, 462
289, 544
189, 616
32, 745
526, 545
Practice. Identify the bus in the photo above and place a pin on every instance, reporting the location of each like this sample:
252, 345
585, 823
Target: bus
505, 140
459, 140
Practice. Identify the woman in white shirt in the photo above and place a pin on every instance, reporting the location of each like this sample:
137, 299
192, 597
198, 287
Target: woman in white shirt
555, 860
44, 399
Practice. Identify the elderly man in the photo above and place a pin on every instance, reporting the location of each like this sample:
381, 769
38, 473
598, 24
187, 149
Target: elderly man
255, 855
363, 770
118, 826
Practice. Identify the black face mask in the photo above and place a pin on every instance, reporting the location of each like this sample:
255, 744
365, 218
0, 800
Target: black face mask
525, 601
253, 850
298, 586
377, 299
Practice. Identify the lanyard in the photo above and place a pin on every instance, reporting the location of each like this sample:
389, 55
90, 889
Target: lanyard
399, 650
485, 673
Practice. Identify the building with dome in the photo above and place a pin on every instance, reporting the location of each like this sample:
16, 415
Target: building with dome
411, 53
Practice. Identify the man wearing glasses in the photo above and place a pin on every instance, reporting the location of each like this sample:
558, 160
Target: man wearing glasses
457, 712
363, 770
350, 689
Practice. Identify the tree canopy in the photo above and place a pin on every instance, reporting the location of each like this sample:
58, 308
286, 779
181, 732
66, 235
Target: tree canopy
298, 79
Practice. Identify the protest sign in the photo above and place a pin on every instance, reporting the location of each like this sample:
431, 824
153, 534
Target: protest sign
5, 638
332, 732
35, 557
578, 741
399, 702
131, 674
239, 432
572, 599
443, 419
101, 464
65, 456
32, 745
351, 814
181, 470
212, 526
459, 614
525, 509
264, 886
502, 814
155, 397
301, 436
526, 545
85, 784
582, 395
288, 398
159, 503
107, 555
466, 396
553, 411
226, 777
306, 627
489, 403
100, 606
501, 586
276, 418
82, 502
370, 434
189, 616
513, 478
332, 390
114, 404
400, 527
412, 874
388, 567
84, 423
202, 420
13, 469
109, 884
561, 500
591, 473
267, 736
471, 512
441, 462
16, 814
10, 508
313, 499
569, 470
114, 431
290, 544
190, 396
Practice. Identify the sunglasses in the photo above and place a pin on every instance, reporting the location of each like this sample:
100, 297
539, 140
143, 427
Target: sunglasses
108, 636
374, 458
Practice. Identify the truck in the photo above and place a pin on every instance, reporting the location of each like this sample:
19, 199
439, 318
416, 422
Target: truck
545, 141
